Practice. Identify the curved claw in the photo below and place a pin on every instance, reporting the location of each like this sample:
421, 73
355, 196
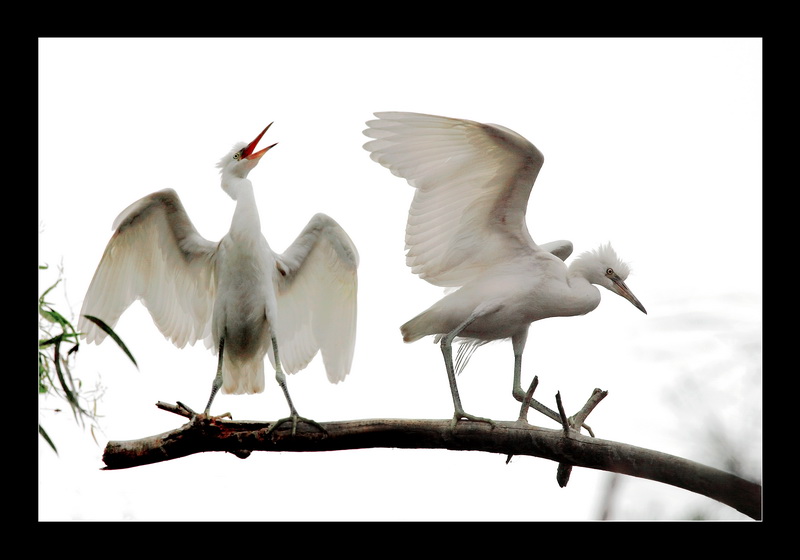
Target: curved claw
294, 419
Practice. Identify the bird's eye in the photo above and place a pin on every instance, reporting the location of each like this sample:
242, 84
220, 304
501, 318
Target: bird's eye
609, 272
237, 155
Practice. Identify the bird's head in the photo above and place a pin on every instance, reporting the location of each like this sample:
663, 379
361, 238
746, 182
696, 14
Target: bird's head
603, 267
241, 159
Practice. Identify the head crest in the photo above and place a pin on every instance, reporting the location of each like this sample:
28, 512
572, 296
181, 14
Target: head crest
602, 258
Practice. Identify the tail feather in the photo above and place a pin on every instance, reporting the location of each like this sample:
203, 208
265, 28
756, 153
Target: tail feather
245, 377
415, 328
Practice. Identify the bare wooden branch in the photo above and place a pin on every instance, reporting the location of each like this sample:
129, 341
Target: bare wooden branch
241, 438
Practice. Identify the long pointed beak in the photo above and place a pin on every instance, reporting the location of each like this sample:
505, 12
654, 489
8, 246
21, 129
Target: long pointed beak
248, 151
623, 290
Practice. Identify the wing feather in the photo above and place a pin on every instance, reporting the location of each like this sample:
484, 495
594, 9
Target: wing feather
472, 184
316, 284
157, 256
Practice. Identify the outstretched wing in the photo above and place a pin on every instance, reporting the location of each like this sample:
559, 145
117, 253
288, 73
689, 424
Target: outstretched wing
472, 185
316, 285
157, 256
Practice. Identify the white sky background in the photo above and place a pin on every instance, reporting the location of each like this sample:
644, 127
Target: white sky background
652, 144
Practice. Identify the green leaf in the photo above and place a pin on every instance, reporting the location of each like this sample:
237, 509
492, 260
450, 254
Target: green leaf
65, 380
109, 331
47, 438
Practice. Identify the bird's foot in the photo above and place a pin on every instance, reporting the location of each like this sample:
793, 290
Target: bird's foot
294, 419
461, 414
205, 414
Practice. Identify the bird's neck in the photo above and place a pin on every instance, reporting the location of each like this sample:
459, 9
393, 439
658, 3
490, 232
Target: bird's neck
245, 220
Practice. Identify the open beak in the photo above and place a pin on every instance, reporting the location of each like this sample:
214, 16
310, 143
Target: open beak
248, 151
622, 289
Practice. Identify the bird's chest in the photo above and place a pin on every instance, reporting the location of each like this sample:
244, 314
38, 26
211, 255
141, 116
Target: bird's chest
244, 280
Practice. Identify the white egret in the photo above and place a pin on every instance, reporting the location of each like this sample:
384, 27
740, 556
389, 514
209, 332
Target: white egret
238, 296
466, 229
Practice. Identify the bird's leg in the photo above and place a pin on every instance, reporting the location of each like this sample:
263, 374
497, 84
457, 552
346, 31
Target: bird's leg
447, 352
281, 378
217, 383
526, 397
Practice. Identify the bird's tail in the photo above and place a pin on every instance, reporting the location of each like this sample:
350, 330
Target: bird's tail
416, 328
242, 377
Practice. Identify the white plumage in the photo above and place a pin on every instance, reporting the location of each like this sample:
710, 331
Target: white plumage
236, 295
466, 229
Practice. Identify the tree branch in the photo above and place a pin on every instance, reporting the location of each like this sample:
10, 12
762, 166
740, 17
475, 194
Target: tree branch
202, 434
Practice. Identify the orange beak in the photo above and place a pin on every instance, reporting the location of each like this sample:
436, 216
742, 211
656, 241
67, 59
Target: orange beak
248, 151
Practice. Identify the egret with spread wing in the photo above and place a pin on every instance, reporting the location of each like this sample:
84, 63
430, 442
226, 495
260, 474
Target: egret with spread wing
466, 229
237, 295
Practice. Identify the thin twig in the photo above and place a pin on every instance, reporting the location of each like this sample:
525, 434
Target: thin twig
577, 419
526, 403
564, 470
562, 414
182, 410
